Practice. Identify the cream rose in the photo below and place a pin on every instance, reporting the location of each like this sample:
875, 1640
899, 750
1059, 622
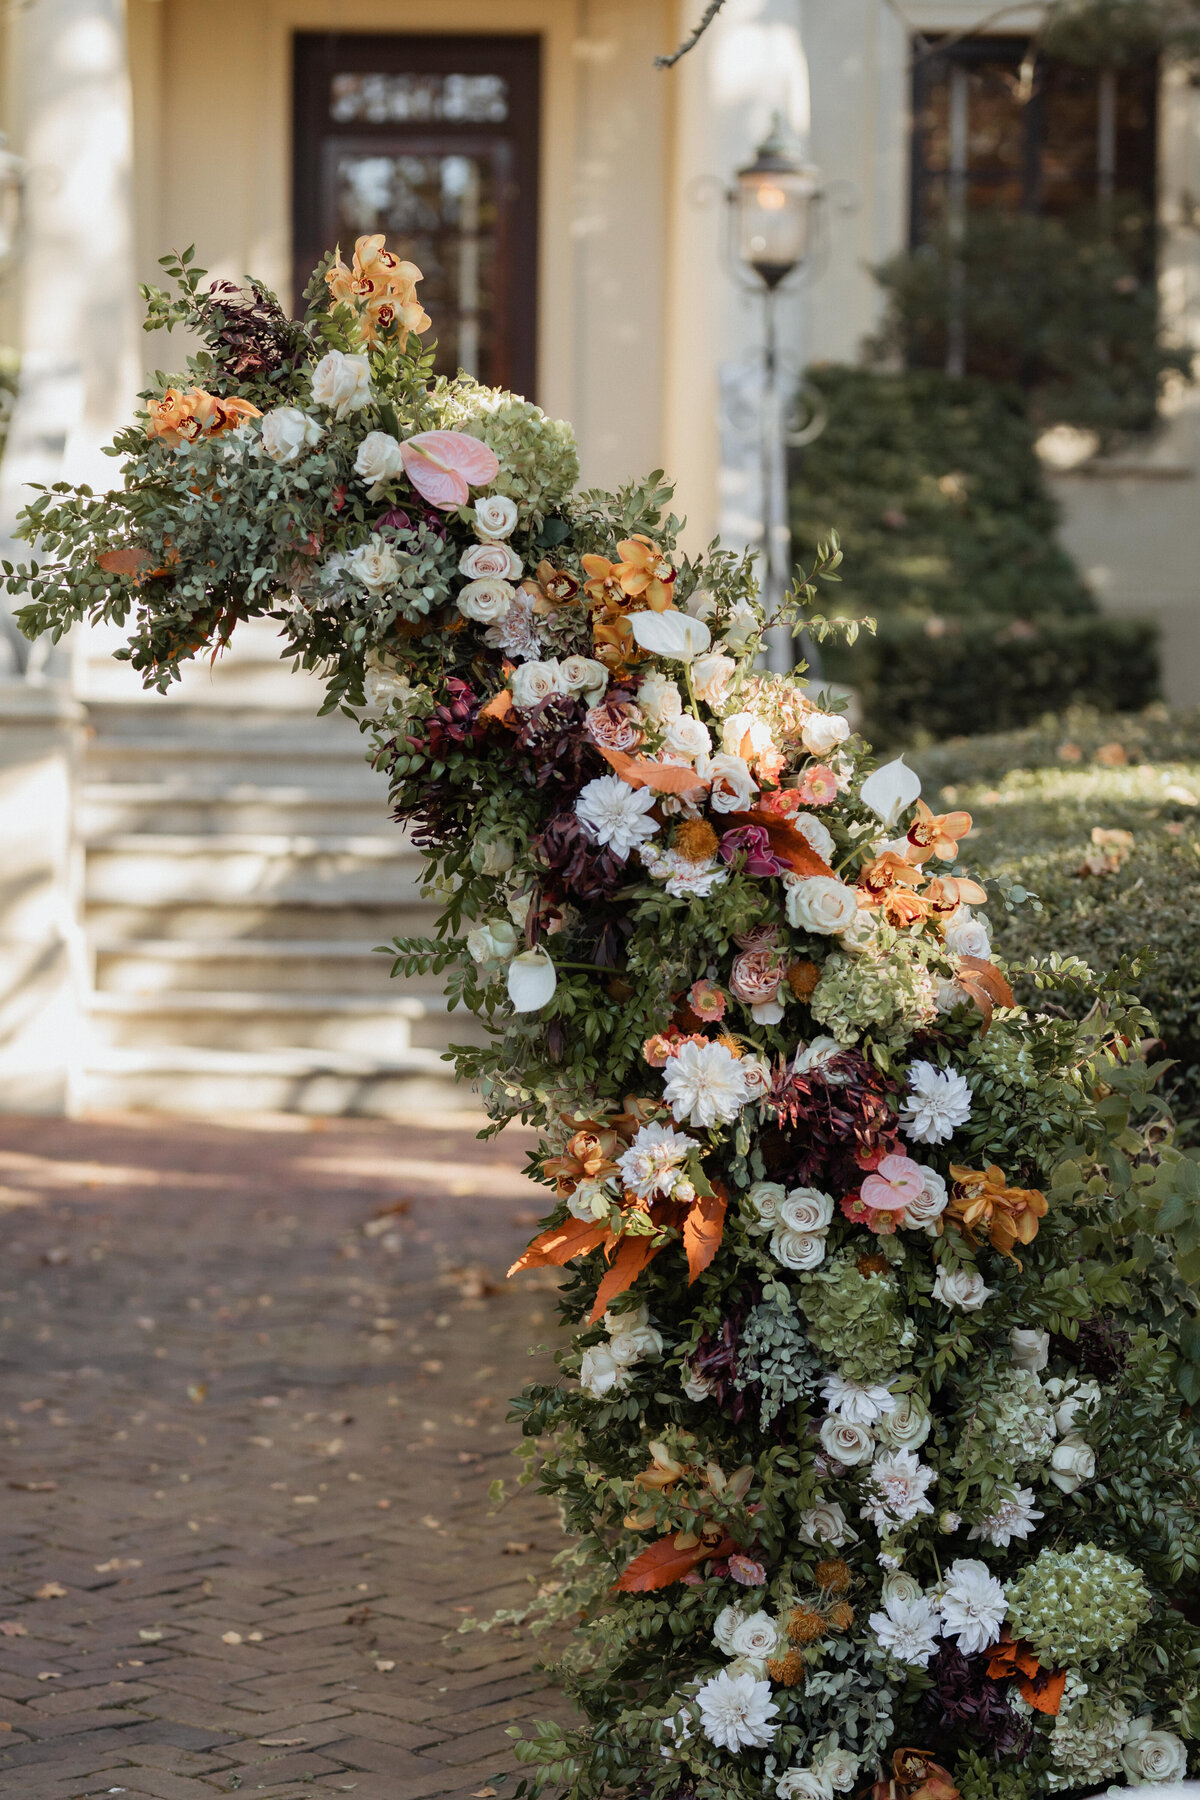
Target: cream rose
341, 383
482, 562
711, 676
840, 1769
629, 1347
493, 941
757, 1635
847, 1443
495, 516
740, 726
825, 1524
1068, 1398
801, 1250
1030, 1350
823, 732
600, 1373
803, 1784
686, 736
762, 1202
1072, 1463
286, 431
820, 904
967, 935
534, 682
964, 1288
486, 601
758, 1075
817, 836
1153, 1755
805, 1209
659, 698
374, 564
733, 787
924, 1212
378, 458
907, 1426
583, 675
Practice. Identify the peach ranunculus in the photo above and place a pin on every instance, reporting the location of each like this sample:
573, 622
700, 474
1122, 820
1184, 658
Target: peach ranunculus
936, 834
381, 288
983, 1205
182, 418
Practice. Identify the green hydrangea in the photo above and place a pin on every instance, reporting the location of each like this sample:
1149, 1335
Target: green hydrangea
774, 1355
1023, 1423
856, 1321
1072, 1604
886, 992
539, 458
1087, 1738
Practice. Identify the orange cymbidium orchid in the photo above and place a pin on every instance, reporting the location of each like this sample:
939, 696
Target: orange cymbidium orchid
983, 1205
936, 834
901, 908
603, 584
382, 287
1042, 1688
551, 588
877, 878
915, 1776
182, 418
645, 573
590, 1155
946, 893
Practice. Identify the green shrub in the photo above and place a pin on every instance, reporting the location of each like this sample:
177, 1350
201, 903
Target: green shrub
944, 676
1037, 798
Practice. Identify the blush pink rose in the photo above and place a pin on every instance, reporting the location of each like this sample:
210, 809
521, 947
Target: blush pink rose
756, 976
614, 725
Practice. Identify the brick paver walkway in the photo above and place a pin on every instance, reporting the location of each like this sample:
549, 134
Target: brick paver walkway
252, 1396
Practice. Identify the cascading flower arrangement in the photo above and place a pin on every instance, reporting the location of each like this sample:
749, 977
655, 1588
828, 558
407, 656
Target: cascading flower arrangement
871, 1434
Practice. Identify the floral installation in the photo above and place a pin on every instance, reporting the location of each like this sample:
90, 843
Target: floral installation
869, 1434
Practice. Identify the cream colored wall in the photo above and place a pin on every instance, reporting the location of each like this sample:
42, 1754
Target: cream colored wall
215, 169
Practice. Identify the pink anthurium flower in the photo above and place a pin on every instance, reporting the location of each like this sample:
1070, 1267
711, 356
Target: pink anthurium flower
896, 1183
444, 465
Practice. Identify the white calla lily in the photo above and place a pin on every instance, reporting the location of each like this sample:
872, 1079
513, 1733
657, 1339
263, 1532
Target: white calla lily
532, 979
673, 634
890, 790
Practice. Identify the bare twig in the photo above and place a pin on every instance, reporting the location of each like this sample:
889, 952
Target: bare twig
710, 13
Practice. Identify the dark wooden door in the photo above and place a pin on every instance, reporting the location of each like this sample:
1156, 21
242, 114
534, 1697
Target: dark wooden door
434, 142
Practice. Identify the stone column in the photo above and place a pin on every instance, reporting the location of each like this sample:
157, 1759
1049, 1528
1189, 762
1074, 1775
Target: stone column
71, 106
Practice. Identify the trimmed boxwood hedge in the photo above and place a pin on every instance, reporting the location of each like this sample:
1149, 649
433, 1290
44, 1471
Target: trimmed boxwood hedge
1037, 796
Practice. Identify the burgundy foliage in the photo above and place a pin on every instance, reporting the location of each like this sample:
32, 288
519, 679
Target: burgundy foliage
965, 1700
830, 1123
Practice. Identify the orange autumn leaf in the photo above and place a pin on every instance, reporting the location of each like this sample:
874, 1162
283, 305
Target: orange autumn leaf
789, 845
985, 984
640, 772
662, 1564
498, 707
127, 561
1042, 1688
633, 1253
703, 1229
556, 1247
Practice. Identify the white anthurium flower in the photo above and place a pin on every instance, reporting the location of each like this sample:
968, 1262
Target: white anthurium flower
675, 635
532, 979
891, 790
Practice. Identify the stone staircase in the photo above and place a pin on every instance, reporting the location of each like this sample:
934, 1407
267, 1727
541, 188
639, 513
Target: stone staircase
241, 869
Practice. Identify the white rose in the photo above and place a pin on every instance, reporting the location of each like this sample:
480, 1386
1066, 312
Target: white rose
632, 1320
486, 601
481, 562
686, 736
907, 1426
697, 1387
495, 516
1153, 1755
820, 904
534, 682
711, 676
806, 1209
737, 727
1030, 1350
862, 933
899, 1586
840, 1769
1072, 1463
659, 698
847, 1443
922, 1214
803, 1784
733, 786
342, 383
756, 1635
825, 1524
1068, 1398
823, 732
968, 936
724, 1626
964, 1288
629, 1347
599, 1372
757, 1073
762, 1202
495, 856
286, 431
378, 458
493, 941
797, 1249
817, 836
742, 624
583, 675
374, 565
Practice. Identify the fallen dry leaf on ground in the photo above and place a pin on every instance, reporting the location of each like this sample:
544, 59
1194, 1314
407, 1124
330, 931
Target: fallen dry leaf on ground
50, 1590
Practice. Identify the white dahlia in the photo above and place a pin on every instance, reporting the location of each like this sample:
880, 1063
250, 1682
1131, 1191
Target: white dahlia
1014, 1517
736, 1712
859, 1404
973, 1605
939, 1102
616, 815
704, 1085
907, 1628
895, 1489
650, 1166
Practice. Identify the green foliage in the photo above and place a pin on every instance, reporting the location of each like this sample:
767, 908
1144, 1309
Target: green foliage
1113, 33
1065, 308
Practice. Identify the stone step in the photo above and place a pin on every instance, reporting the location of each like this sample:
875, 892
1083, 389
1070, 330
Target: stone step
218, 965
163, 869
173, 806
385, 1026
252, 670
220, 1082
